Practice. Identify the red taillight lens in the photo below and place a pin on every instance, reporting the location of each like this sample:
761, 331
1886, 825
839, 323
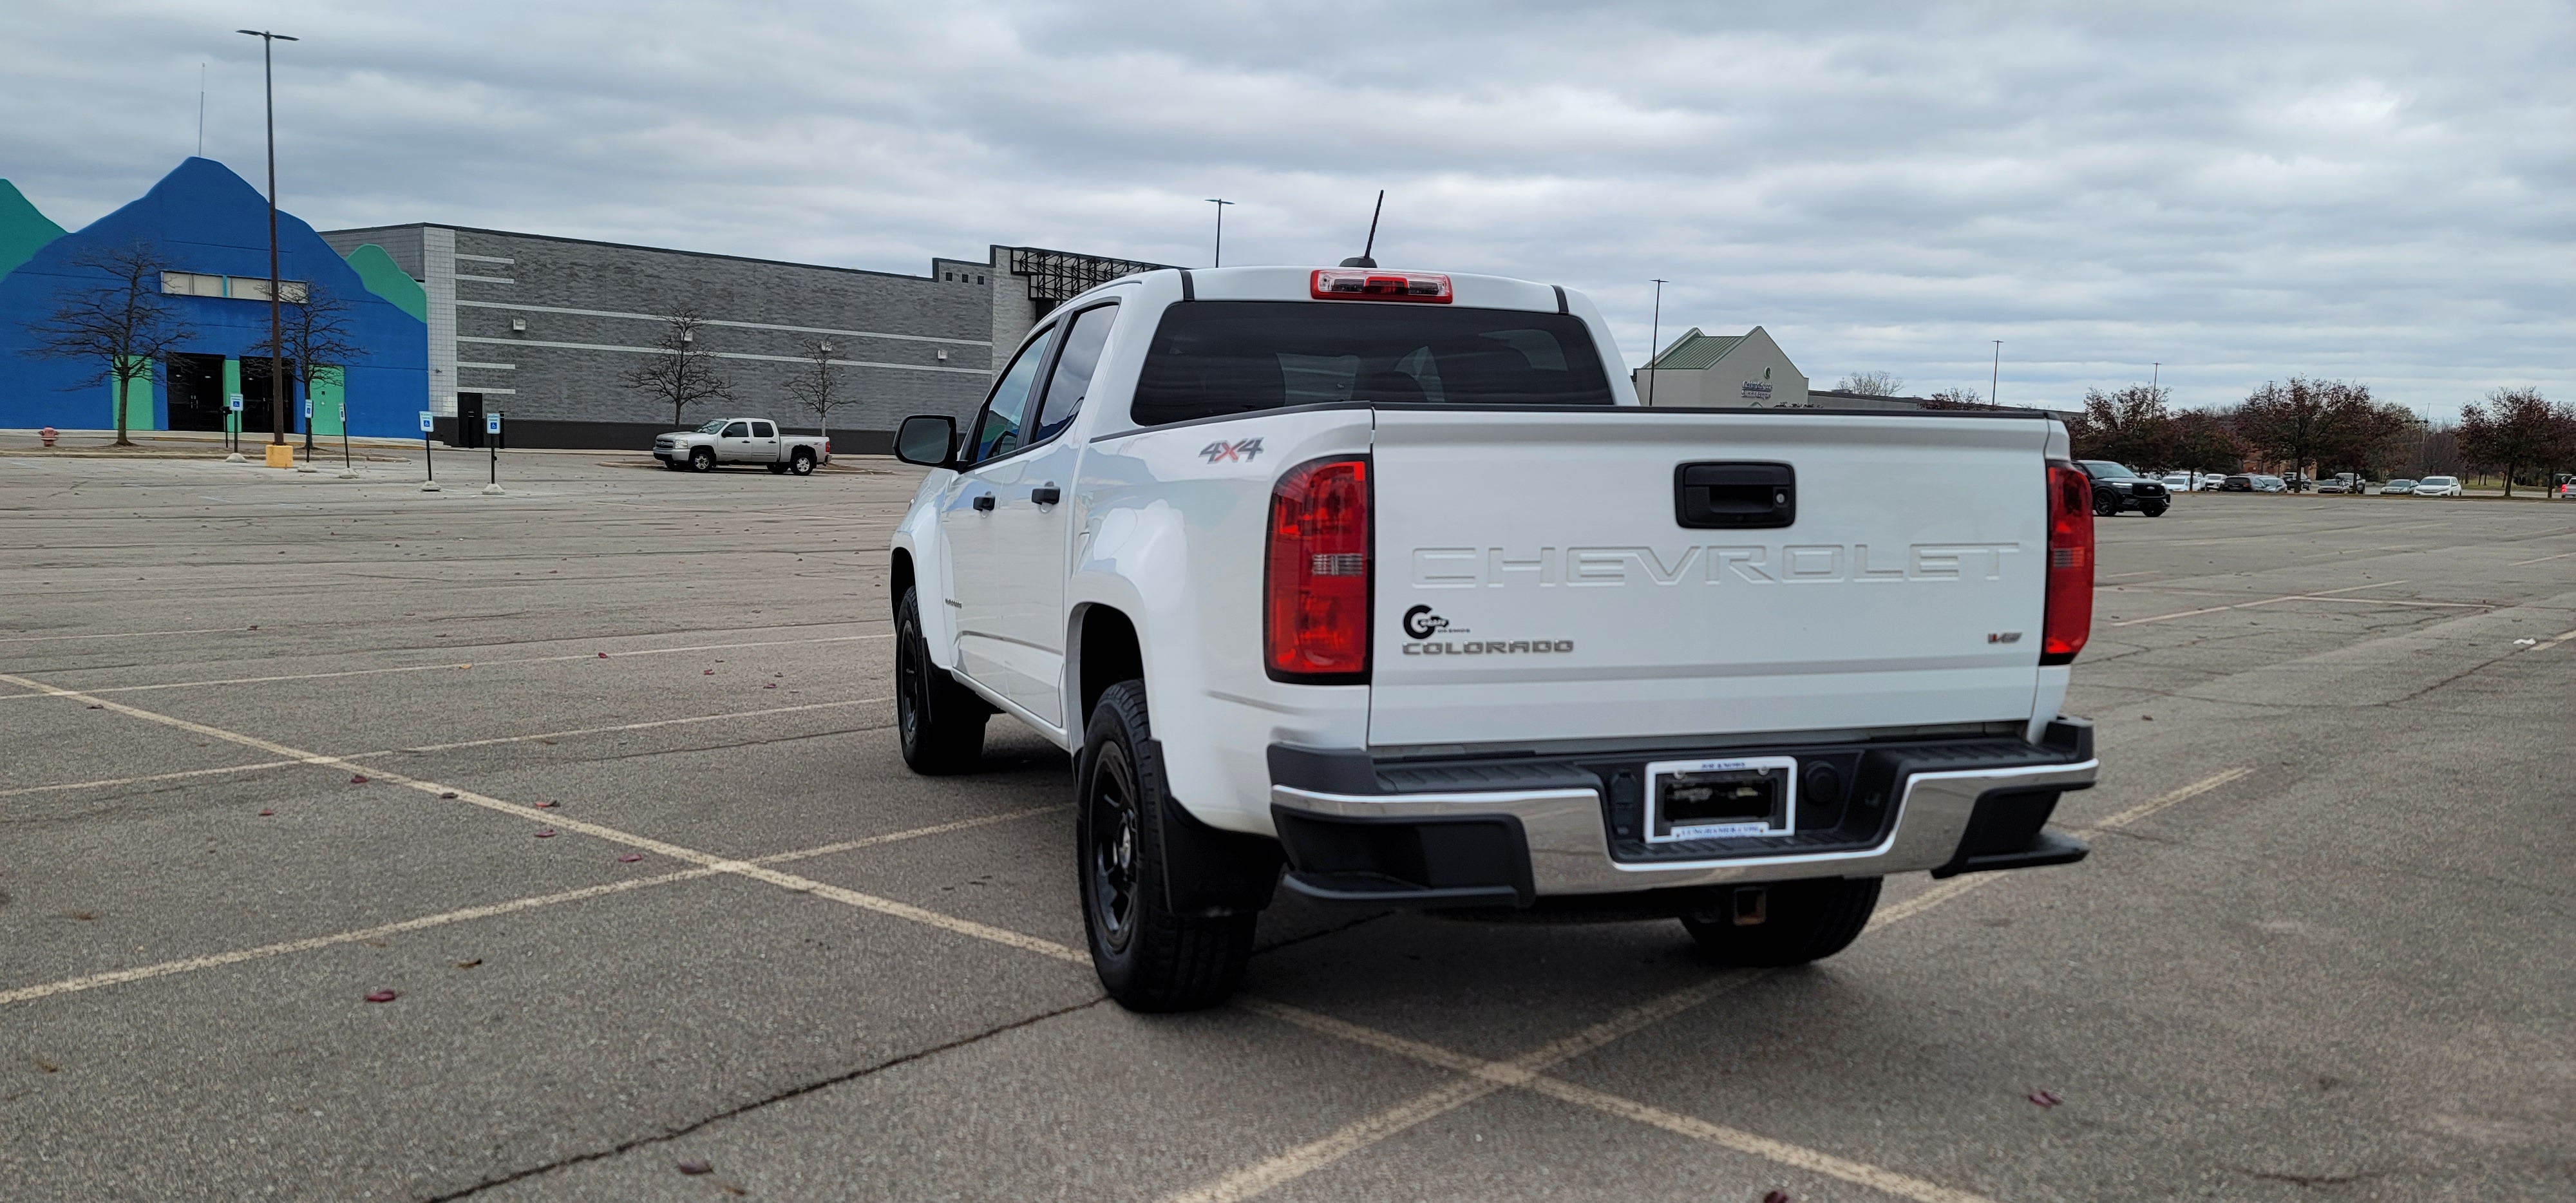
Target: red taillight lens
1316, 628
1369, 284
2069, 620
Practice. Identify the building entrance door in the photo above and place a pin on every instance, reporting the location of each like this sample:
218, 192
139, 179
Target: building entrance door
196, 392
469, 421
256, 418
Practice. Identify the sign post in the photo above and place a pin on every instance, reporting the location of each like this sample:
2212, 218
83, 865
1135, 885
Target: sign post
428, 459
492, 441
307, 465
232, 427
348, 470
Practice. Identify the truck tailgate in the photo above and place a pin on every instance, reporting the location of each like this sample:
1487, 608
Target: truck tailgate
1535, 580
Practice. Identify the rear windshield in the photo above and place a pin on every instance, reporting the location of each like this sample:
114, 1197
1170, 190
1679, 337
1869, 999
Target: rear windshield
1212, 358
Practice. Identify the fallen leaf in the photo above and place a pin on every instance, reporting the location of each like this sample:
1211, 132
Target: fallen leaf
548, 804
769, 685
469, 964
266, 813
360, 779
98, 707
83, 915
2044, 1098
1775, 1196
448, 794
254, 626
2147, 717
383, 996
629, 858
49, 1067
696, 1167
545, 835
603, 655
711, 672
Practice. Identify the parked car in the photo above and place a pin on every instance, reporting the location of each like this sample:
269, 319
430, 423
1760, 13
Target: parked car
1209, 534
2438, 486
2177, 482
741, 441
2295, 483
2340, 482
2398, 485
2240, 482
2267, 483
2116, 488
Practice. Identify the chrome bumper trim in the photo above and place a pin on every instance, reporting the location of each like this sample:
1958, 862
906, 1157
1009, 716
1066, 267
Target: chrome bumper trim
1570, 853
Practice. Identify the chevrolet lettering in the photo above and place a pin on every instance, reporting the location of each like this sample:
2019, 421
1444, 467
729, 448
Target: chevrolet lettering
1379, 587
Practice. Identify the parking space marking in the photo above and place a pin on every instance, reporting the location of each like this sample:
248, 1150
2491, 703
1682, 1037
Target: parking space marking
213, 960
451, 666
108, 782
2322, 595
1886, 1181
2161, 801
122, 635
2550, 643
2542, 560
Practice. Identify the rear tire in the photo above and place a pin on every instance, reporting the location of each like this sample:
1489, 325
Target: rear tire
2156, 510
1148, 958
1803, 921
939, 722
702, 459
802, 463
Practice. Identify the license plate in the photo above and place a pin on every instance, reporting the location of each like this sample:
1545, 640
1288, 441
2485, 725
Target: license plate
1721, 799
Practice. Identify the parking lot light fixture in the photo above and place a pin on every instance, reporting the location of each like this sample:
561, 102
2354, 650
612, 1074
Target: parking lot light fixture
276, 318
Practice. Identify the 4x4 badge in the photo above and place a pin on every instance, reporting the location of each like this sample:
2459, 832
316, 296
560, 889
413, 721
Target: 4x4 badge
1218, 453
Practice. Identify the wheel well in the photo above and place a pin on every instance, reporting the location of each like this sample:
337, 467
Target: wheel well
902, 582
1107, 653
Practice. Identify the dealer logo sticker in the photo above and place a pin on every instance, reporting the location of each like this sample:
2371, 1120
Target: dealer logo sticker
1421, 623
1243, 452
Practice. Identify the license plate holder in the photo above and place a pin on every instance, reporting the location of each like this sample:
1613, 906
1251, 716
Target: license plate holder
1730, 798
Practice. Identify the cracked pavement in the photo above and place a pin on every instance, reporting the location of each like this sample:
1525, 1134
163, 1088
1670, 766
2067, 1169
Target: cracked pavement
751, 942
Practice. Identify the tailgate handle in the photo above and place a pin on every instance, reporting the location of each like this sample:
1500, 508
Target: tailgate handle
1735, 496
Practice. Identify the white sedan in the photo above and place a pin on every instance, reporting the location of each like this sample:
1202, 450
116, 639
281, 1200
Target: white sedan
2438, 486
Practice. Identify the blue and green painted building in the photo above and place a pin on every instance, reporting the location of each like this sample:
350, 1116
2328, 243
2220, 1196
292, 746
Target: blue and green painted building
210, 227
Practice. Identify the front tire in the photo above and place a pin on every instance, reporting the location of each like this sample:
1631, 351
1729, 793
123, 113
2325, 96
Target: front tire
1802, 921
2156, 510
778, 469
2106, 505
939, 722
702, 459
1148, 958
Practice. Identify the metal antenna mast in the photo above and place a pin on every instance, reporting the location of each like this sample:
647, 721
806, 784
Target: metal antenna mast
1655, 340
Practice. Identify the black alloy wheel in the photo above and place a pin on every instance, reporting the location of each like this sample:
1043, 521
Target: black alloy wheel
702, 459
939, 722
802, 464
1109, 848
2106, 504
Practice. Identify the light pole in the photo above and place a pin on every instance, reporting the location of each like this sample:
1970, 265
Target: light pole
1220, 229
1655, 340
1995, 385
276, 319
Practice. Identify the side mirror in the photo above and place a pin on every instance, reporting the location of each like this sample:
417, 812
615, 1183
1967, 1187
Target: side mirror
929, 441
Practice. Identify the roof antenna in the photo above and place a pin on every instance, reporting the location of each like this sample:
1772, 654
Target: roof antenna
1362, 259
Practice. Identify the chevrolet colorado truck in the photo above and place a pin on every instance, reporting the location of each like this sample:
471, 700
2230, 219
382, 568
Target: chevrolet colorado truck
1382, 586
741, 441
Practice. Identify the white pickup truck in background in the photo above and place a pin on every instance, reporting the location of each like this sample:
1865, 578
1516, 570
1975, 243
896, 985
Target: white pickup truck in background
1385, 578
741, 441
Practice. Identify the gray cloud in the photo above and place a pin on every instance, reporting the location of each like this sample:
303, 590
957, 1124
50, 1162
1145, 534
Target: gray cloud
2240, 191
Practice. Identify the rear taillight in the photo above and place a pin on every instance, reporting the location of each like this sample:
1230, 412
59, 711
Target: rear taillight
1370, 284
2069, 618
1316, 621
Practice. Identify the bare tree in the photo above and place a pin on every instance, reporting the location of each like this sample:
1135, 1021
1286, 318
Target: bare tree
678, 372
2305, 421
1871, 384
2516, 429
1956, 398
2131, 426
813, 388
316, 340
119, 327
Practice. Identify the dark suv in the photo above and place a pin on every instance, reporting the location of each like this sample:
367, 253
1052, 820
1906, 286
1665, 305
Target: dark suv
2116, 488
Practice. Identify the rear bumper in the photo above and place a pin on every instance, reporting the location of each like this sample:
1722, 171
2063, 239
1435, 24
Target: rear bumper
1349, 838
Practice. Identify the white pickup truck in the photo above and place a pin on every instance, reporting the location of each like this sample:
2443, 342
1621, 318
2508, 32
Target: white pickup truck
1385, 578
741, 441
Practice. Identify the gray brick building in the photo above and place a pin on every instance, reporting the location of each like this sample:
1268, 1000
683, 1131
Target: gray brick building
547, 330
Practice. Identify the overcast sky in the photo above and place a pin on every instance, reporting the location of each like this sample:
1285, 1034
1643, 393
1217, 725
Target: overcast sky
2241, 191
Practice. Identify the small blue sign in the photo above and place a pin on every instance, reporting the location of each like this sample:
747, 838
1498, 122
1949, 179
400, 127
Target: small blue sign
492, 422
427, 423
233, 403
308, 409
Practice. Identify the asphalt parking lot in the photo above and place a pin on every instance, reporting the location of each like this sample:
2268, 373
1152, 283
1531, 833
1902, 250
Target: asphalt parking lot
663, 916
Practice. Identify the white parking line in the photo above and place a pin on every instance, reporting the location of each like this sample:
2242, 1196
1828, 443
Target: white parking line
164, 969
110, 782
450, 666
721, 864
2542, 560
121, 635
2323, 595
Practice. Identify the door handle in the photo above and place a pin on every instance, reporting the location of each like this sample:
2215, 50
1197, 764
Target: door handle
984, 502
1046, 494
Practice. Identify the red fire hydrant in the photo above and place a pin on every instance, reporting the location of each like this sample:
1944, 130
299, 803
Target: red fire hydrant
49, 434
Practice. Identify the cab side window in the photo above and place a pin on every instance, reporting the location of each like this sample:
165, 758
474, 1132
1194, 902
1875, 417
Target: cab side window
1001, 429
763, 430
737, 430
1074, 367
